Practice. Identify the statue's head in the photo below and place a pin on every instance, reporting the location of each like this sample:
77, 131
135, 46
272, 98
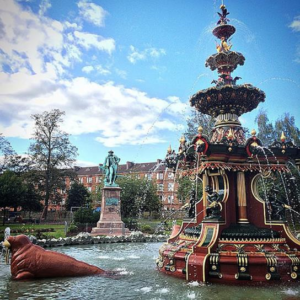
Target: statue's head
110, 152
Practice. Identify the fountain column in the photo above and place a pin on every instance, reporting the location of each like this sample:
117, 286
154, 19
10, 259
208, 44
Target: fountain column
242, 198
205, 183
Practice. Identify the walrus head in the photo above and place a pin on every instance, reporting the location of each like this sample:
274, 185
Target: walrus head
16, 242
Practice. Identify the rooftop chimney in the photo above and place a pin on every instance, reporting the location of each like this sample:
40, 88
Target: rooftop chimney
129, 164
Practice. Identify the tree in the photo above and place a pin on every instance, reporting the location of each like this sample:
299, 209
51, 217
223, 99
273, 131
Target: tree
198, 119
52, 154
31, 200
138, 196
96, 196
287, 125
6, 150
266, 132
78, 196
185, 185
11, 191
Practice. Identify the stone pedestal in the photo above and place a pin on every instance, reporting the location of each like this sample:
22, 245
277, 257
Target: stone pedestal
110, 222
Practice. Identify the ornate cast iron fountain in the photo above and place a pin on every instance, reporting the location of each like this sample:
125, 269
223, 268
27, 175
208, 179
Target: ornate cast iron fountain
234, 233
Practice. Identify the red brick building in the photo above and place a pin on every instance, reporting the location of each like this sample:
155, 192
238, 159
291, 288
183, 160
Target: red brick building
91, 178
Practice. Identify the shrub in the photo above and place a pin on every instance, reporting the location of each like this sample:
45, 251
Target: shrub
86, 215
147, 229
72, 228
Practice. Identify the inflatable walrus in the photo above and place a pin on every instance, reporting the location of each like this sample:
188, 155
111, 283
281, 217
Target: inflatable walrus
32, 261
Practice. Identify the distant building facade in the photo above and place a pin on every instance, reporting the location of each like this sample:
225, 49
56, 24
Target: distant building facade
91, 178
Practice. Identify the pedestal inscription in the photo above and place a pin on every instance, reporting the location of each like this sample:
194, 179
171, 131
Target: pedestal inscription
110, 222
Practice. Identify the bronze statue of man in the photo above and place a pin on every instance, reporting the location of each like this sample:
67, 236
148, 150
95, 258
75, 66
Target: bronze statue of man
110, 167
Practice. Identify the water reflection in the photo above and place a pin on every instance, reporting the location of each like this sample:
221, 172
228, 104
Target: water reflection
139, 280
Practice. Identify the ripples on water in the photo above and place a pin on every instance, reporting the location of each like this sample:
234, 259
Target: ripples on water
138, 279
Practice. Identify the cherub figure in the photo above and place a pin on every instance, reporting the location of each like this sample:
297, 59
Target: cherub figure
214, 208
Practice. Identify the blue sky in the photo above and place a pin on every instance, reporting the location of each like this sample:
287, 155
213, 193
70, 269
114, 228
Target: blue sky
123, 71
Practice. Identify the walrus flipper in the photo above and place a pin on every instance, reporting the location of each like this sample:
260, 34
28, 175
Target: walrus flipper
24, 275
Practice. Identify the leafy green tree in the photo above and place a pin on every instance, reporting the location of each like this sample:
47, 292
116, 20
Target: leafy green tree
11, 191
185, 186
96, 196
197, 119
31, 200
266, 132
138, 196
52, 154
15, 192
6, 151
78, 196
287, 124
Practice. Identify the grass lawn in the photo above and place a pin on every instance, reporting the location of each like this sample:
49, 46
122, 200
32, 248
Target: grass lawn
59, 230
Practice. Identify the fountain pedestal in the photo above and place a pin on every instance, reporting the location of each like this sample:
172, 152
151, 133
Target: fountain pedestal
110, 222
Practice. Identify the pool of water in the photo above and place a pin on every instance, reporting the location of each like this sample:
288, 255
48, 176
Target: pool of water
139, 280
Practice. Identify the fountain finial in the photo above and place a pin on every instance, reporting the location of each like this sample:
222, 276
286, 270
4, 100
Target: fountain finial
283, 137
253, 132
169, 149
182, 140
200, 129
230, 135
223, 16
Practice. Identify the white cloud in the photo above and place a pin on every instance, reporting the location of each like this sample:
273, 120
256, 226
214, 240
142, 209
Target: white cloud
92, 13
102, 71
136, 55
89, 40
295, 25
87, 69
84, 163
40, 53
33, 42
121, 73
117, 114
44, 6
98, 68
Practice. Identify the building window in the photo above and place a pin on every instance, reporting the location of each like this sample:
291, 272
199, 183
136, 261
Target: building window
89, 188
148, 176
90, 180
170, 199
160, 176
170, 175
170, 187
160, 187
81, 180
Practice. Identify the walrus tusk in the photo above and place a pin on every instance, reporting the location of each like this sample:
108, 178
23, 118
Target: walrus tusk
6, 244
